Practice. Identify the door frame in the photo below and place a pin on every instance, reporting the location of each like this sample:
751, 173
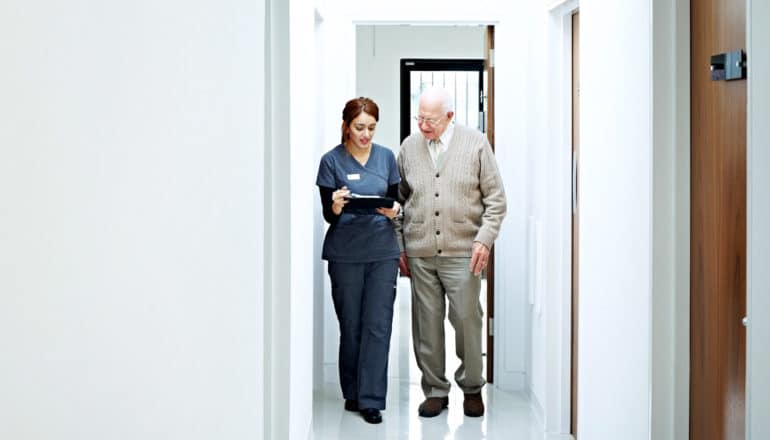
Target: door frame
408, 65
557, 414
758, 214
575, 298
488, 119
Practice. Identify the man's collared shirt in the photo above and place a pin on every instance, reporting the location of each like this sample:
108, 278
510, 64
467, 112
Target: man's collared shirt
438, 147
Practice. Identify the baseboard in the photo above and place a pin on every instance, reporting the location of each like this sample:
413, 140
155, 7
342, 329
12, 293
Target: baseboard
330, 373
537, 408
539, 413
510, 381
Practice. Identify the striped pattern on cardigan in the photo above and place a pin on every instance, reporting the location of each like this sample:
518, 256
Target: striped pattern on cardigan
447, 208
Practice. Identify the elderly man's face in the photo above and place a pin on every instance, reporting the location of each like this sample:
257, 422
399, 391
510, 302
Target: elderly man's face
431, 120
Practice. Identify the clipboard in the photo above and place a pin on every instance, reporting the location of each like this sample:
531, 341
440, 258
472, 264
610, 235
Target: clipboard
359, 201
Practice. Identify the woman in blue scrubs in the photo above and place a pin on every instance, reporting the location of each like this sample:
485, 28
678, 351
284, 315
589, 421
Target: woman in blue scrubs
362, 251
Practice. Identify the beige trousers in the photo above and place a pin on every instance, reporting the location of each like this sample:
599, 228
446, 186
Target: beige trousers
434, 280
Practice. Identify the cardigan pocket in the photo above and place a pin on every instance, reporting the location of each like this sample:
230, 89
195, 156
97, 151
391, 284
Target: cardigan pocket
460, 214
414, 232
413, 217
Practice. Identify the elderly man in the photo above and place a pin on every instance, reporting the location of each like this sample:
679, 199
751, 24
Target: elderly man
454, 203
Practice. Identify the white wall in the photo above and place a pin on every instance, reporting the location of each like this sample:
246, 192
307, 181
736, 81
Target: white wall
277, 311
551, 204
319, 275
290, 266
337, 87
549, 164
511, 149
261, 121
334, 87
544, 198
664, 203
603, 210
302, 101
758, 239
681, 336
130, 177
379, 50
615, 220
671, 219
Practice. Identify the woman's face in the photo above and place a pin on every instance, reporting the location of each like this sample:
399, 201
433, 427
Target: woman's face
361, 131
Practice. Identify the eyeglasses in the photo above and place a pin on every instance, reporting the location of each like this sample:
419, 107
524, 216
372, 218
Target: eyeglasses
430, 121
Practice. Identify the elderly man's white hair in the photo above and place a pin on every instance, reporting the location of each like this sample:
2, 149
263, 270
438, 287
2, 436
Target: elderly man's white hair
434, 94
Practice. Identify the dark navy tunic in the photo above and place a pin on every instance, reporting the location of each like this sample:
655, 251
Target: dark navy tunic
360, 236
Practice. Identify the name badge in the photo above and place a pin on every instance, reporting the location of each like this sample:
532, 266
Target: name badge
354, 177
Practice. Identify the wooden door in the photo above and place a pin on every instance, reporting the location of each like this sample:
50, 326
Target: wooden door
718, 227
575, 156
490, 130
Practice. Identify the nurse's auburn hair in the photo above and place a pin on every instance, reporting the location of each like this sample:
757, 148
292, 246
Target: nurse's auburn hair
355, 107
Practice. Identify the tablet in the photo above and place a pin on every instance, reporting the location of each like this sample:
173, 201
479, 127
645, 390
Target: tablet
359, 201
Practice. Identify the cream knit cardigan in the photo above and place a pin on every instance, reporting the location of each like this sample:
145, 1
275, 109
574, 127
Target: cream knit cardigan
447, 208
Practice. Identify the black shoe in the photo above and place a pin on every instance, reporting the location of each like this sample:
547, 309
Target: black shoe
371, 415
351, 405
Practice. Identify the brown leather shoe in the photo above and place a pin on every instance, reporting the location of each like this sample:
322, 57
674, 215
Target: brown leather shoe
432, 406
473, 406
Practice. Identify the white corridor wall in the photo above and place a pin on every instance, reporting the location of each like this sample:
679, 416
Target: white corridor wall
130, 179
615, 220
289, 224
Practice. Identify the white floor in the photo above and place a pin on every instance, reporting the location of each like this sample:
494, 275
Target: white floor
508, 415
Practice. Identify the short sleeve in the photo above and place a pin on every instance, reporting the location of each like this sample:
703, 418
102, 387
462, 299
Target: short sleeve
326, 173
393, 176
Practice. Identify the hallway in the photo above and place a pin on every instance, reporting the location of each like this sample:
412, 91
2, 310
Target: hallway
160, 260
508, 414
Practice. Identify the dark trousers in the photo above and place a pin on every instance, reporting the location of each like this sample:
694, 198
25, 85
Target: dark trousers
363, 296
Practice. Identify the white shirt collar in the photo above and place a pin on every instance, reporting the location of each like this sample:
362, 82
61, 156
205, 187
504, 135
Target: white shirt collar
446, 136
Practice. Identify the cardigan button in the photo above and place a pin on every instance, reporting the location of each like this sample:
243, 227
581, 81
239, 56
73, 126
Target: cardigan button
436, 213
439, 251
436, 174
438, 232
436, 194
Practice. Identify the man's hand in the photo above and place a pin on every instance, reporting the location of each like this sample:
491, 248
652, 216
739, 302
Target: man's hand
390, 213
479, 257
403, 265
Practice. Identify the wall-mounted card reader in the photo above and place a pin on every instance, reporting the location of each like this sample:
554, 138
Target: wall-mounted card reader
728, 66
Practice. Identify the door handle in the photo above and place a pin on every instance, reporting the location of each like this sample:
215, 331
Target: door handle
745, 321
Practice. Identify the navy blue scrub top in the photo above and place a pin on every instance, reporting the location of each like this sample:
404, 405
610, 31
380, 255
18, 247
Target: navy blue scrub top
363, 235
